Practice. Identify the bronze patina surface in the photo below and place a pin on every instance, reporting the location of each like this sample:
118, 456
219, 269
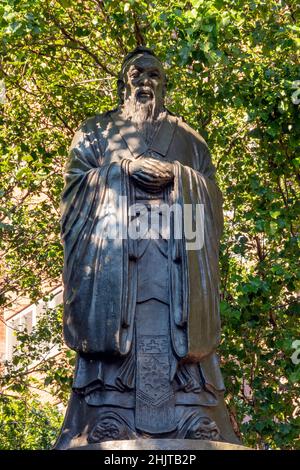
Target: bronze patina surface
141, 309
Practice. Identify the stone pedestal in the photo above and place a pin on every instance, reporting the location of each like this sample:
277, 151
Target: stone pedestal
163, 444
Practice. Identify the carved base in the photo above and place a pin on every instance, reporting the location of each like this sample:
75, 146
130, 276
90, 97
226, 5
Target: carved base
162, 444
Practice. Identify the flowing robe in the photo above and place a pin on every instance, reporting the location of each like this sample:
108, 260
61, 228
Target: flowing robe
100, 271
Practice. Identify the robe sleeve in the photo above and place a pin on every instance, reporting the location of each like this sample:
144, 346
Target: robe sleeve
81, 172
205, 171
196, 190
91, 212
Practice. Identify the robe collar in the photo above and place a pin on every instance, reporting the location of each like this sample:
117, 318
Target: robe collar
135, 141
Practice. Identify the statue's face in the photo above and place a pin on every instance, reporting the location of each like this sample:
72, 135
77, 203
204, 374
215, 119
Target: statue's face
145, 80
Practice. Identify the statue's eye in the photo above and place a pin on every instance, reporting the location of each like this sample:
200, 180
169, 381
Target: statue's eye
134, 74
154, 74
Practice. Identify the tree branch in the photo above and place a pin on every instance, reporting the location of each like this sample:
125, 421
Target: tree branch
81, 45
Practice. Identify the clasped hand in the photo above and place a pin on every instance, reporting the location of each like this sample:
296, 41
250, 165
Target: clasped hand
151, 173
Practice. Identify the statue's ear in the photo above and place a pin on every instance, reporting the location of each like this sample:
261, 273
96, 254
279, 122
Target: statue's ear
165, 86
121, 90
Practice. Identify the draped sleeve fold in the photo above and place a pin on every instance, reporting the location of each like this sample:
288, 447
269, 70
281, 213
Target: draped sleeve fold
93, 222
195, 189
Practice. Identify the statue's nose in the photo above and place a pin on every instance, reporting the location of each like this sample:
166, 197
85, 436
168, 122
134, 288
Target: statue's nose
145, 80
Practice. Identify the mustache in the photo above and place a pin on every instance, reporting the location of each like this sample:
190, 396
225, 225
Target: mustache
144, 91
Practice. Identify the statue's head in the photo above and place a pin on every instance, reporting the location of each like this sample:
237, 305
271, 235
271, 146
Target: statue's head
142, 80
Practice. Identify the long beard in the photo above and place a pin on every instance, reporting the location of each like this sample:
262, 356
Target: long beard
145, 116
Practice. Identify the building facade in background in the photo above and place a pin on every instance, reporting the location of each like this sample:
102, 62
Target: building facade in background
25, 317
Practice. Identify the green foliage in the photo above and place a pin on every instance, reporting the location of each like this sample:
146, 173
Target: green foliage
25, 424
232, 75
34, 382
40, 360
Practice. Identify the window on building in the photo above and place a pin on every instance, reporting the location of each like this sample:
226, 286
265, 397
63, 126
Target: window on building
27, 319
20, 322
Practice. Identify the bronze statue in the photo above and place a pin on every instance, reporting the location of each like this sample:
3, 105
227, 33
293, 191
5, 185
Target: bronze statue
141, 311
